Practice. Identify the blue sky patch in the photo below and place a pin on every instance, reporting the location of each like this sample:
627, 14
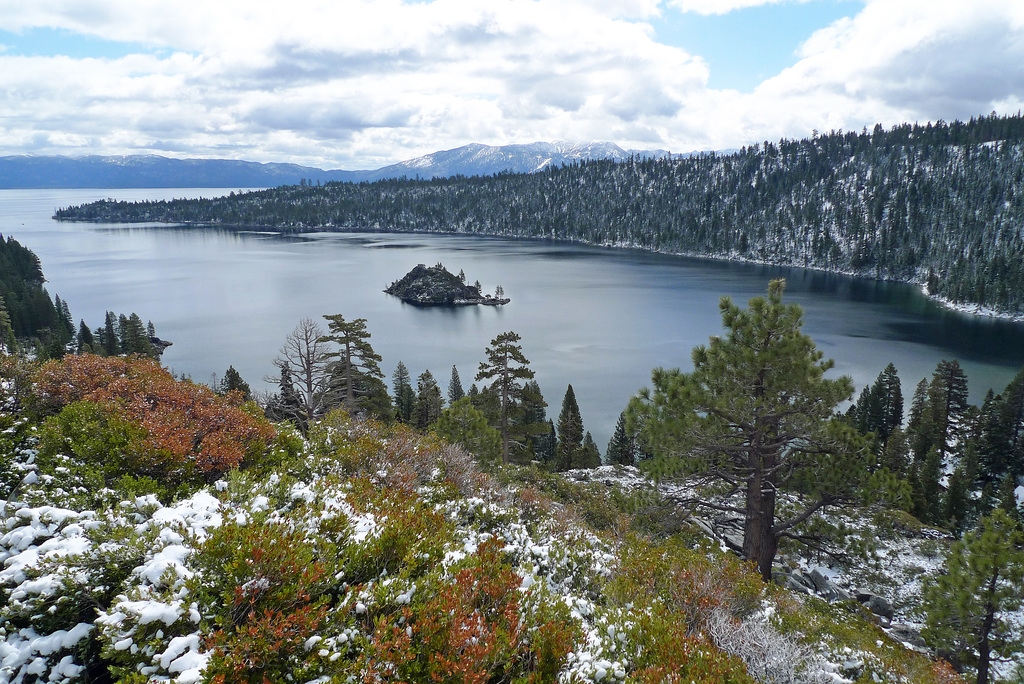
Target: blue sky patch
747, 46
51, 42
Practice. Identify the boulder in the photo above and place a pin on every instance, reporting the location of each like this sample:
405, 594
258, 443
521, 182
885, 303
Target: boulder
906, 634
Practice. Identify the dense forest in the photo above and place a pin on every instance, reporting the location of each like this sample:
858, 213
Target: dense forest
938, 204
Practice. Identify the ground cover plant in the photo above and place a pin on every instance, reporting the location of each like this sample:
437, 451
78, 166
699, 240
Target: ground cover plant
368, 552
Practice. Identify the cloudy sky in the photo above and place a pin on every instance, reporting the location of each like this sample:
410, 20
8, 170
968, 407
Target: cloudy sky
363, 83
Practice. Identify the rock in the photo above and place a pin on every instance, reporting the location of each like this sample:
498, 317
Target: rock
435, 286
826, 588
906, 634
794, 581
159, 345
880, 607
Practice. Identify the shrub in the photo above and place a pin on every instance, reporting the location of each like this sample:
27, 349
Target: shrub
668, 653
472, 628
158, 426
692, 583
268, 588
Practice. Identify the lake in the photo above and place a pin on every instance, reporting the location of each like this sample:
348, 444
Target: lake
594, 317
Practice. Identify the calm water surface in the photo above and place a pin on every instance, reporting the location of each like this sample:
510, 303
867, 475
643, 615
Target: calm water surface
599, 319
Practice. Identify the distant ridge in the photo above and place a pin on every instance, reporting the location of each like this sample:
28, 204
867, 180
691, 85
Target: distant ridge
153, 171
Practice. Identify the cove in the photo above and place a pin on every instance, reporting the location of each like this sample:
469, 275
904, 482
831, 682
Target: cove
597, 318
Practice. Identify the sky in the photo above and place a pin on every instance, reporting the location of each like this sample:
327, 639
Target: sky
359, 84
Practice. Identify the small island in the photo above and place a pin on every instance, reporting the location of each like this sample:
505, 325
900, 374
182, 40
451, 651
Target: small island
436, 286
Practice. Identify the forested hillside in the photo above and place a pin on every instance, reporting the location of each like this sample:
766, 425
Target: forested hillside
939, 204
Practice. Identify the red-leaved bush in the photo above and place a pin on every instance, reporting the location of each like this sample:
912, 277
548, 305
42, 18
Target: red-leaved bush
184, 422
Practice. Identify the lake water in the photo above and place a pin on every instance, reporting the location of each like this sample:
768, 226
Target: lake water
597, 318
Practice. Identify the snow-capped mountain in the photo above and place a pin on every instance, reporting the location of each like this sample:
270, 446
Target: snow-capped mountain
483, 160
153, 171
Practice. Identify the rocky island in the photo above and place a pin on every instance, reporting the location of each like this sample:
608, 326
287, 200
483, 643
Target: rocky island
436, 286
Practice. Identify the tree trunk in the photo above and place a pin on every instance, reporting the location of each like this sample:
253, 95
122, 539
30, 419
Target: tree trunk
759, 541
984, 647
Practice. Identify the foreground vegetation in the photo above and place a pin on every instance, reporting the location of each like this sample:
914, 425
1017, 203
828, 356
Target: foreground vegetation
364, 552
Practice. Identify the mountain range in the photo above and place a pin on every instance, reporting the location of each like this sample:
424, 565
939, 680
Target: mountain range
153, 171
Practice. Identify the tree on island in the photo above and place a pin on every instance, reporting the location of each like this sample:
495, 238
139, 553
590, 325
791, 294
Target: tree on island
757, 415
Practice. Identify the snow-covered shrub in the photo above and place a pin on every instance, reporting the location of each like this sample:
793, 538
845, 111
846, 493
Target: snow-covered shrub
770, 656
61, 568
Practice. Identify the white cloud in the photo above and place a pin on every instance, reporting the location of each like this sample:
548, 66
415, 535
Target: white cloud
707, 7
361, 83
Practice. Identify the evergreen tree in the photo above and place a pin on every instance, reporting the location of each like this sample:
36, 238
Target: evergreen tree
108, 338
590, 454
86, 341
65, 323
956, 504
570, 433
930, 474
355, 361
134, 339
919, 426
461, 423
756, 413
455, 391
405, 398
620, 449
7, 341
1011, 424
947, 396
982, 582
509, 369
232, 381
287, 405
545, 443
429, 402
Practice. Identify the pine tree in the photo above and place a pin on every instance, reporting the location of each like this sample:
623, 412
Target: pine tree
355, 362
7, 340
947, 396
982, 582
108, 337
620, 451
428, 401
405, 397
509, 368
455, 391
86, 343
287, 405
756, 413
956, 504
590, 455
232, 382
570, 433
461, 423
930, 473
